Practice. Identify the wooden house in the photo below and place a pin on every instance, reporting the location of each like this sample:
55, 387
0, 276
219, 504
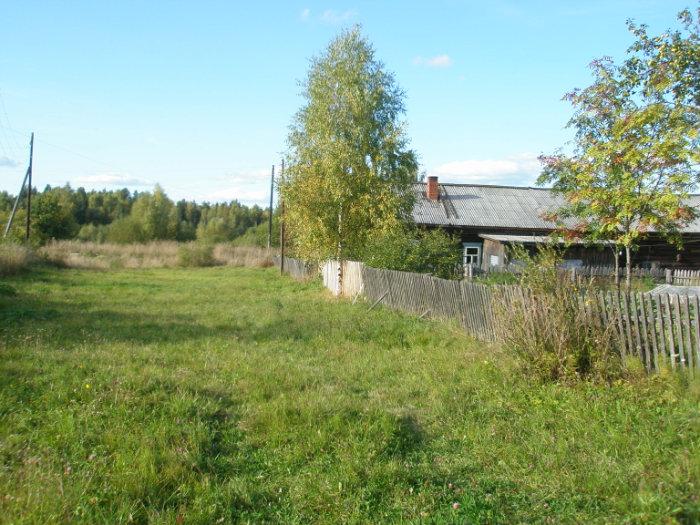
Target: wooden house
489, 218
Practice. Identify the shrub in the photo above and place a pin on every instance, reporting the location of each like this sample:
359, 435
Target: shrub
547, 324
411, 249
125, 230
14, 258
93, 233
195, 254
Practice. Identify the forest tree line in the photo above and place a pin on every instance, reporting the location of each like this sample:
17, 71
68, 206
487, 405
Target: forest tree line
122, 216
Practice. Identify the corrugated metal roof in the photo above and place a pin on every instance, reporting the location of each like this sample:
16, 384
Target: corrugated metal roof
523, 239
538, 239
484, 206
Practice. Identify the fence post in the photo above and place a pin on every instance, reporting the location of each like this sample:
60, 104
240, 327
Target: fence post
669, 276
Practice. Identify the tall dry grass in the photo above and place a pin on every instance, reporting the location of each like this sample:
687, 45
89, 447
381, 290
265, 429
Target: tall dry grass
15, 258
155, 254
548, 322
251, 256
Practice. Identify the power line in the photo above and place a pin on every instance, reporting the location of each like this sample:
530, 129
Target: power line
9, 124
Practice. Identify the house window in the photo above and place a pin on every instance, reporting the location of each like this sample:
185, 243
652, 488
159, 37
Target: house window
472, 253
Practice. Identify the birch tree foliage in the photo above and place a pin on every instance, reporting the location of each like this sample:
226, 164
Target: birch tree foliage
349, 167
636, 148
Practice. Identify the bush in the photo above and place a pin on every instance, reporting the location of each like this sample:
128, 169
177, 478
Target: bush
547, 325
125, 231
410, 249
196, 254
15, 258
93, 233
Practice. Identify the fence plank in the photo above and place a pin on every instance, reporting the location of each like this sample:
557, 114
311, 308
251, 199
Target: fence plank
669, 329
675, 302
685, 323
652, 330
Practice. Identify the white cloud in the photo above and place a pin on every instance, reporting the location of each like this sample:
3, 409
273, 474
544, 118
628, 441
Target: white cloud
7, 162
440, 61
331, 16
250, 186
114, 179
516, 170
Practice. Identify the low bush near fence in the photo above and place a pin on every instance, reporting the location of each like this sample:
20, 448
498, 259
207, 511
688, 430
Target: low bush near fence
544, 322
552, 335
15, 258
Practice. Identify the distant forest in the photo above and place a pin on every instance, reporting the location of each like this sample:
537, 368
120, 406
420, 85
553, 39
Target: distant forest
122, 216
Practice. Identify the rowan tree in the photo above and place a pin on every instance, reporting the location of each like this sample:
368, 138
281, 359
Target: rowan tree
636, 151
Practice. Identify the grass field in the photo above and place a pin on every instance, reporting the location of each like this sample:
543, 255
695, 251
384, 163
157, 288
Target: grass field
231, 395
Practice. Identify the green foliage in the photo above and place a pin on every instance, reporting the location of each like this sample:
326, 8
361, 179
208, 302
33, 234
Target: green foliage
52, 215
548, 328
120, 216
637, 143
196, 254
235, 395
93, 233
125, 231
349, 168
415, 250
156, 215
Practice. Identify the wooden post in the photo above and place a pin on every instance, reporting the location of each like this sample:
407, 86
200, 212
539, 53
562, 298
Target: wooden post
29, 186
282, 239
669, 276
269, 223
14, 206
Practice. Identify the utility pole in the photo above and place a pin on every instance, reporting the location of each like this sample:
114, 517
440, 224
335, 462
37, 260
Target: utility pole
29, 186
282, 239
27, 175
272, 192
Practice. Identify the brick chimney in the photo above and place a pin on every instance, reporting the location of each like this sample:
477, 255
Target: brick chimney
431, 190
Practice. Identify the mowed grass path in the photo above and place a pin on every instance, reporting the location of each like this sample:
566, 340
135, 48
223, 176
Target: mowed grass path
236, 396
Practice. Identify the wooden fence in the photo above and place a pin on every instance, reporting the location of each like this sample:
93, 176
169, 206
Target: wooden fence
684, 277
296, 268
658, 329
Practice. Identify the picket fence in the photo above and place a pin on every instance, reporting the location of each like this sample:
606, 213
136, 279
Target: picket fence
686, 277
683, 277
659, 329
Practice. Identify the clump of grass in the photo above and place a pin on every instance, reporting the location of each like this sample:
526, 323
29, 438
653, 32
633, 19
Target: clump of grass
195, 255
15, 258
547, 326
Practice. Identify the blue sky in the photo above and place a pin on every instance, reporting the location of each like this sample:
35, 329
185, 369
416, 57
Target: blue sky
198, 95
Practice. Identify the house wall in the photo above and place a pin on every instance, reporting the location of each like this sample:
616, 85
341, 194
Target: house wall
654, 250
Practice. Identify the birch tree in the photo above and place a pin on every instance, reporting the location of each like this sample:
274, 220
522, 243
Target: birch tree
349, 167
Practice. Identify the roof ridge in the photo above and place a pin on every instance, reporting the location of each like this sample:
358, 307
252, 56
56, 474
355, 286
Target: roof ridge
474, 185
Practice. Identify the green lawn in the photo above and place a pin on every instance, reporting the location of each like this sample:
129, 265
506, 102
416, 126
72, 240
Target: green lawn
235, 396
